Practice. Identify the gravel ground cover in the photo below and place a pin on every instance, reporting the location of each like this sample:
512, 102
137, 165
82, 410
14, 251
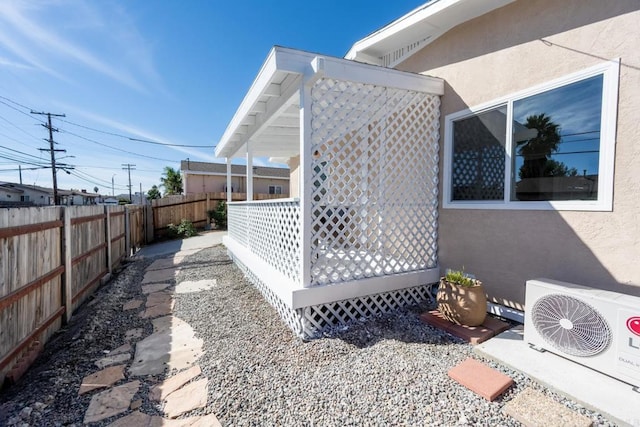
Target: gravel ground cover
388, 370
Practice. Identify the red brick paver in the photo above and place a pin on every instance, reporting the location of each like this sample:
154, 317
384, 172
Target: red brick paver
480, 378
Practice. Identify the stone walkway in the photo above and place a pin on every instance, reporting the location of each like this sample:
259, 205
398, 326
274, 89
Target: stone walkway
172, 347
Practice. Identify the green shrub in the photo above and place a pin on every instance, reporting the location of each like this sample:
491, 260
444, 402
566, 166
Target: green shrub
219, 216
184, 229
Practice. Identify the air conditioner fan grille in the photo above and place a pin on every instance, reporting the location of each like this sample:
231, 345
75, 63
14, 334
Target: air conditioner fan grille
571, 325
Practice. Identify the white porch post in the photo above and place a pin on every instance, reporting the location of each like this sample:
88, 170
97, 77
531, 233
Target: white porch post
305, 184
249, 172
229, 189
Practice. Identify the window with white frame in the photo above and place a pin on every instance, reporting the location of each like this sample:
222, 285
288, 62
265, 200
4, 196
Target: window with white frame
275, 189
549, 147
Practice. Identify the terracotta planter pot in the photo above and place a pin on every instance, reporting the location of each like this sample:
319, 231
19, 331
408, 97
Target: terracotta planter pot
462, 305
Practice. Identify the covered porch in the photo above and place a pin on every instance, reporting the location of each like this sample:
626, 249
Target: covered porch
359, 234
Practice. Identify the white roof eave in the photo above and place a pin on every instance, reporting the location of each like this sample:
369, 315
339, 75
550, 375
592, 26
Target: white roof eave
283, 62
424, 24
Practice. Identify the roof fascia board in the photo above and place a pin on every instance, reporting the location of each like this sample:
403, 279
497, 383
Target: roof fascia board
343, 69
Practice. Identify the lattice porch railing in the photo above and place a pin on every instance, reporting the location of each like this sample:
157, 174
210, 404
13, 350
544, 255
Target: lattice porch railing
270, 230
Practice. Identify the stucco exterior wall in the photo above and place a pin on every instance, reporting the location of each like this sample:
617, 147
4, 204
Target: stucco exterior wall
523, 44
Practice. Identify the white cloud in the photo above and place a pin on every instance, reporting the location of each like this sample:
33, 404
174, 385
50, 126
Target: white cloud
46, 44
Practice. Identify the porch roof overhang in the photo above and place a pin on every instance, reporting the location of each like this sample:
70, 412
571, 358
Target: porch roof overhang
403, 37
269, 115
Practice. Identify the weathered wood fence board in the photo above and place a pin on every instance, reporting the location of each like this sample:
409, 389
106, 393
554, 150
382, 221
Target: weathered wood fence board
117, 234
86, 253
51, 260
137, 221
31, 302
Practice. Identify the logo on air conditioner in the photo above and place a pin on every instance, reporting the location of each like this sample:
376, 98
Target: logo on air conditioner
633, 324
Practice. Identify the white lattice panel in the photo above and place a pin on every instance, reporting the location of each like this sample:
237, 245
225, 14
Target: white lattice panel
374, 184
271, 231
319, 317
237, 222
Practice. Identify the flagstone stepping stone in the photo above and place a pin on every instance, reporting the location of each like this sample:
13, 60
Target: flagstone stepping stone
112, 360
125, 348
133, 334
148, 289
134, 303
160, 391
104, 378
111, 402
188, 398
138, 419
155, 276
157, 298
164, 263
175, 347
162, 323
158, 304
197, 286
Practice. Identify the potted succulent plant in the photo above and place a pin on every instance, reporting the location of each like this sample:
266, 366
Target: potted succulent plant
461, 299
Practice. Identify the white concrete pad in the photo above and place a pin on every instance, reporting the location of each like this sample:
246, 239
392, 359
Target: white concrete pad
614, 399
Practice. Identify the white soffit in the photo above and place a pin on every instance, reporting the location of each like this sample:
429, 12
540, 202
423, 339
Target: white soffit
400, 39
269, 116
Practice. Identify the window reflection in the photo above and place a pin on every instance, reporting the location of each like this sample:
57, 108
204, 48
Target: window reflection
479, 156
556, 143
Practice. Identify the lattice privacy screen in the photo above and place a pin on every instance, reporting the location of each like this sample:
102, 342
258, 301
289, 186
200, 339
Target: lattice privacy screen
271, 230
374, 184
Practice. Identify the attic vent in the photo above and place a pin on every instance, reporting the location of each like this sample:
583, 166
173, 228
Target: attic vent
571, 325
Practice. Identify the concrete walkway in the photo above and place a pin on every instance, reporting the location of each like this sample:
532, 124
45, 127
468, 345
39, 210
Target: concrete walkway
184, 246
171, 347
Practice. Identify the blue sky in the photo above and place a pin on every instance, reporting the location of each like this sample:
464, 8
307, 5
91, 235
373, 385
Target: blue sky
172, 72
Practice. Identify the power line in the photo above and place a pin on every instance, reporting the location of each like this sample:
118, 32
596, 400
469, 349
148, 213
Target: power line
15, 102
146, 141
116, 149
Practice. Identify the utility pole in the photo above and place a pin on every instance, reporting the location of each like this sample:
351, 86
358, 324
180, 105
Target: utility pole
56, 200
20, 173
128, 167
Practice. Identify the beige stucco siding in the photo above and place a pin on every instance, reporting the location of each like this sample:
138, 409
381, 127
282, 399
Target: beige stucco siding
521, 45
204, 183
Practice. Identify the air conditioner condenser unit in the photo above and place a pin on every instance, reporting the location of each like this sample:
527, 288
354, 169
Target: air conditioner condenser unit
598, 329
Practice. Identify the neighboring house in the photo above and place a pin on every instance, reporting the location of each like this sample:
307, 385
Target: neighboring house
23, 194
465, 134
77, 197
202, 177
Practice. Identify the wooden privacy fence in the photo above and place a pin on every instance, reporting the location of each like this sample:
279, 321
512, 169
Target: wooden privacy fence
193, 207
51, 260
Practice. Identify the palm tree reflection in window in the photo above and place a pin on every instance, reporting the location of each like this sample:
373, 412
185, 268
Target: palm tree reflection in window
542, 177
